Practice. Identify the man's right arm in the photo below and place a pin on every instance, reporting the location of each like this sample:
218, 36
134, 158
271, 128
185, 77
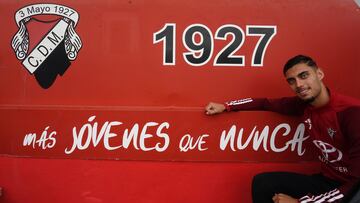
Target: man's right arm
285, 105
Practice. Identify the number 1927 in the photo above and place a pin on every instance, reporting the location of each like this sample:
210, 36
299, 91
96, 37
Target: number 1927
200, 51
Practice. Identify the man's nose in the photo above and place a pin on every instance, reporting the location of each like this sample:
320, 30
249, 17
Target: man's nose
299, 83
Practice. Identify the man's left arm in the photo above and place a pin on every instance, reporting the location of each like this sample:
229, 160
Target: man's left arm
349, 121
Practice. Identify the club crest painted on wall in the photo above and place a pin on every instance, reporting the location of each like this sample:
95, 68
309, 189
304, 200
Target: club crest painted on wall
46, 41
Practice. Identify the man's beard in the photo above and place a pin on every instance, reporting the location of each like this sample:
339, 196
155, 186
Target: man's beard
309, 100
312, 99
306, 100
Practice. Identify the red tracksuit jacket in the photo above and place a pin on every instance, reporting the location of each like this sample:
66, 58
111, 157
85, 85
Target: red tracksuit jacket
334, 129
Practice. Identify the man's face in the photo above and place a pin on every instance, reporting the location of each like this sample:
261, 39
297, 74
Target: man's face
305, 81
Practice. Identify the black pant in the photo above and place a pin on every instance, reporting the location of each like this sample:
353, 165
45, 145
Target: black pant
266, 185
353, 196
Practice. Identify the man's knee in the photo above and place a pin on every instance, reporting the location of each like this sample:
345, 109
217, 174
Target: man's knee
261, 188
262, 183
261, 180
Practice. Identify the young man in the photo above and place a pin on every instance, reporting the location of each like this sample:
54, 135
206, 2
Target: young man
333, 123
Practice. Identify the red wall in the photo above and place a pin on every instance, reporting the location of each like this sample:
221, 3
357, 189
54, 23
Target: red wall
119, 76
52, 180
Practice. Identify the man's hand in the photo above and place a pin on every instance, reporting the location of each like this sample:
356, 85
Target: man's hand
282, 198
214, 108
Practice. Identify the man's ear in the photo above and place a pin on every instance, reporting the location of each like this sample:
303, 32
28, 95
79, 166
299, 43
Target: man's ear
320, 73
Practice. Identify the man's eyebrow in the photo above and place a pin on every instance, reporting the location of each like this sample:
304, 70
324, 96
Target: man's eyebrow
302, 73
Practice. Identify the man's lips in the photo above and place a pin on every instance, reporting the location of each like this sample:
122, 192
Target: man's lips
302, 91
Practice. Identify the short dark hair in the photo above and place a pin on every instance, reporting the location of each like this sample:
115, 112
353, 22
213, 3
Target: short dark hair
297, 60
